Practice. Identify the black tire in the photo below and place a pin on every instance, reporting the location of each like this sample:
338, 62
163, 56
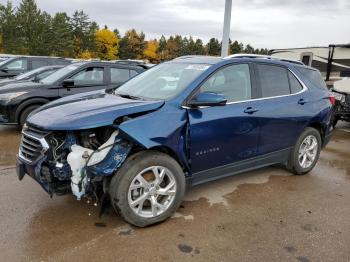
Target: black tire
25, 113
119, 186
294, 165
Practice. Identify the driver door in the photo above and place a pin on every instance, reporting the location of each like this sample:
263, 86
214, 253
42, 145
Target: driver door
88, 79
223, 138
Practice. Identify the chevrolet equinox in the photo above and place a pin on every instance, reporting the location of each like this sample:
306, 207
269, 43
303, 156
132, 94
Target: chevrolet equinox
181, 123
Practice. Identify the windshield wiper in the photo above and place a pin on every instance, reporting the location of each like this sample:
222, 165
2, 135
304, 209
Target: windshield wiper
130, 96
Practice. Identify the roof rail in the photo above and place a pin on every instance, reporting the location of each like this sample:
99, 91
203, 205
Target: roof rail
263, 57
140, 63
130, 61
193, 56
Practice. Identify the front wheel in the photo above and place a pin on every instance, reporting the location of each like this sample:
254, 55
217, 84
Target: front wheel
26, 112
306, 152
148, 188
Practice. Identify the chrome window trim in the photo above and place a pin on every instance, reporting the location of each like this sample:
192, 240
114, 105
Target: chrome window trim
264, 98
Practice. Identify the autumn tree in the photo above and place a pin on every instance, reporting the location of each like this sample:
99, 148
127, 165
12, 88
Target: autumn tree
85, 55
26, 29
106, 44
117, 33
83, 33
132, 45
161, 48
170, 51
150, 52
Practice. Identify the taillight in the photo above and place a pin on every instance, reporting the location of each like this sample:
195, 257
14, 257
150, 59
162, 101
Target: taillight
332, 99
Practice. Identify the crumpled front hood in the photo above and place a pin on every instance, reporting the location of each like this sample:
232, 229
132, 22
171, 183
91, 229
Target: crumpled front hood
89, 110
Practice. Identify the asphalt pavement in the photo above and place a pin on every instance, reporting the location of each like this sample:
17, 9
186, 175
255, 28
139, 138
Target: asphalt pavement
264, 215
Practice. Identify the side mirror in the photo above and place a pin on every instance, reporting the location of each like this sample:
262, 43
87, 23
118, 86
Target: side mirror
111, 89
5, 69
208, 99
68, 83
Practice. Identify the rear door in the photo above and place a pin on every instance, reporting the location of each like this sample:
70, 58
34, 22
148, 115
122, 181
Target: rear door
88, 79
36, 62
117, 76
283, 114
221, 136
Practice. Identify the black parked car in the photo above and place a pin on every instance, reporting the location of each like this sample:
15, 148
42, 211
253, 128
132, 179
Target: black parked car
33, 75
18, 100
18, 65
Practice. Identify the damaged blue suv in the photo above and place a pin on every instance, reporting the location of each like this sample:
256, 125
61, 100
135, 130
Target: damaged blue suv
183, 122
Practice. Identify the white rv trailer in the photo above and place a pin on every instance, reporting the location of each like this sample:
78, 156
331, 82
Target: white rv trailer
332, 61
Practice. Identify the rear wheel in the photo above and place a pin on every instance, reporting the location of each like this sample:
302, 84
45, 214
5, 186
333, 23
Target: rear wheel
25, 113
148, 188
306, 152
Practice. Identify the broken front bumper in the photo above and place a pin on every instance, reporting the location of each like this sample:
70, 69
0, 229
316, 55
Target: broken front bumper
23, 168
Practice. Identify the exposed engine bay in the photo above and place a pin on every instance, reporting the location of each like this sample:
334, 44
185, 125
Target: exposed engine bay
77, 162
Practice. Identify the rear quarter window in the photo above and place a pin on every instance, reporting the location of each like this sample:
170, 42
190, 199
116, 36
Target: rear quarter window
313, 76
273, 80
295, 85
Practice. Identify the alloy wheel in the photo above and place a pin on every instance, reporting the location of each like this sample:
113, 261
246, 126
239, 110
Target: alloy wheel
308, 151
152, 191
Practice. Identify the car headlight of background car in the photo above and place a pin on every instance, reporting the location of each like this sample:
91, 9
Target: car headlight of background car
9, 96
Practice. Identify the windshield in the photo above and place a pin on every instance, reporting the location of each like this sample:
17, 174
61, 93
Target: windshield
163, 81
28, 74
60, 73
5, 61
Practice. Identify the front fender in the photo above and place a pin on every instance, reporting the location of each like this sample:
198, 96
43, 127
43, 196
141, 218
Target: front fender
162, 128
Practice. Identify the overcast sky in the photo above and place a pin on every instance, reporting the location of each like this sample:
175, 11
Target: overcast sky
262, 23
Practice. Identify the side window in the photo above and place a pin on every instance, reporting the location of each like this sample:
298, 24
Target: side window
273, 80
45, 74
314, 76
89, 76
231, 81
133, 73
119, 75
19, 64
295, 85
38, 63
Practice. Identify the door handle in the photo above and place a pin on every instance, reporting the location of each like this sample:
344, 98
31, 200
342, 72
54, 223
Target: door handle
302, 101
250, 110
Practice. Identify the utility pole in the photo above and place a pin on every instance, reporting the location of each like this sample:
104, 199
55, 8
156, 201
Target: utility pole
226, 31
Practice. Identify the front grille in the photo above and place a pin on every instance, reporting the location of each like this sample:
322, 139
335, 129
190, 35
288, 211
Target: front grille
33, 144
35, 131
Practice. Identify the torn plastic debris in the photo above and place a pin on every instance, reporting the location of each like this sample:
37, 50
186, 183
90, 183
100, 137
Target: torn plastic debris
104, 161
